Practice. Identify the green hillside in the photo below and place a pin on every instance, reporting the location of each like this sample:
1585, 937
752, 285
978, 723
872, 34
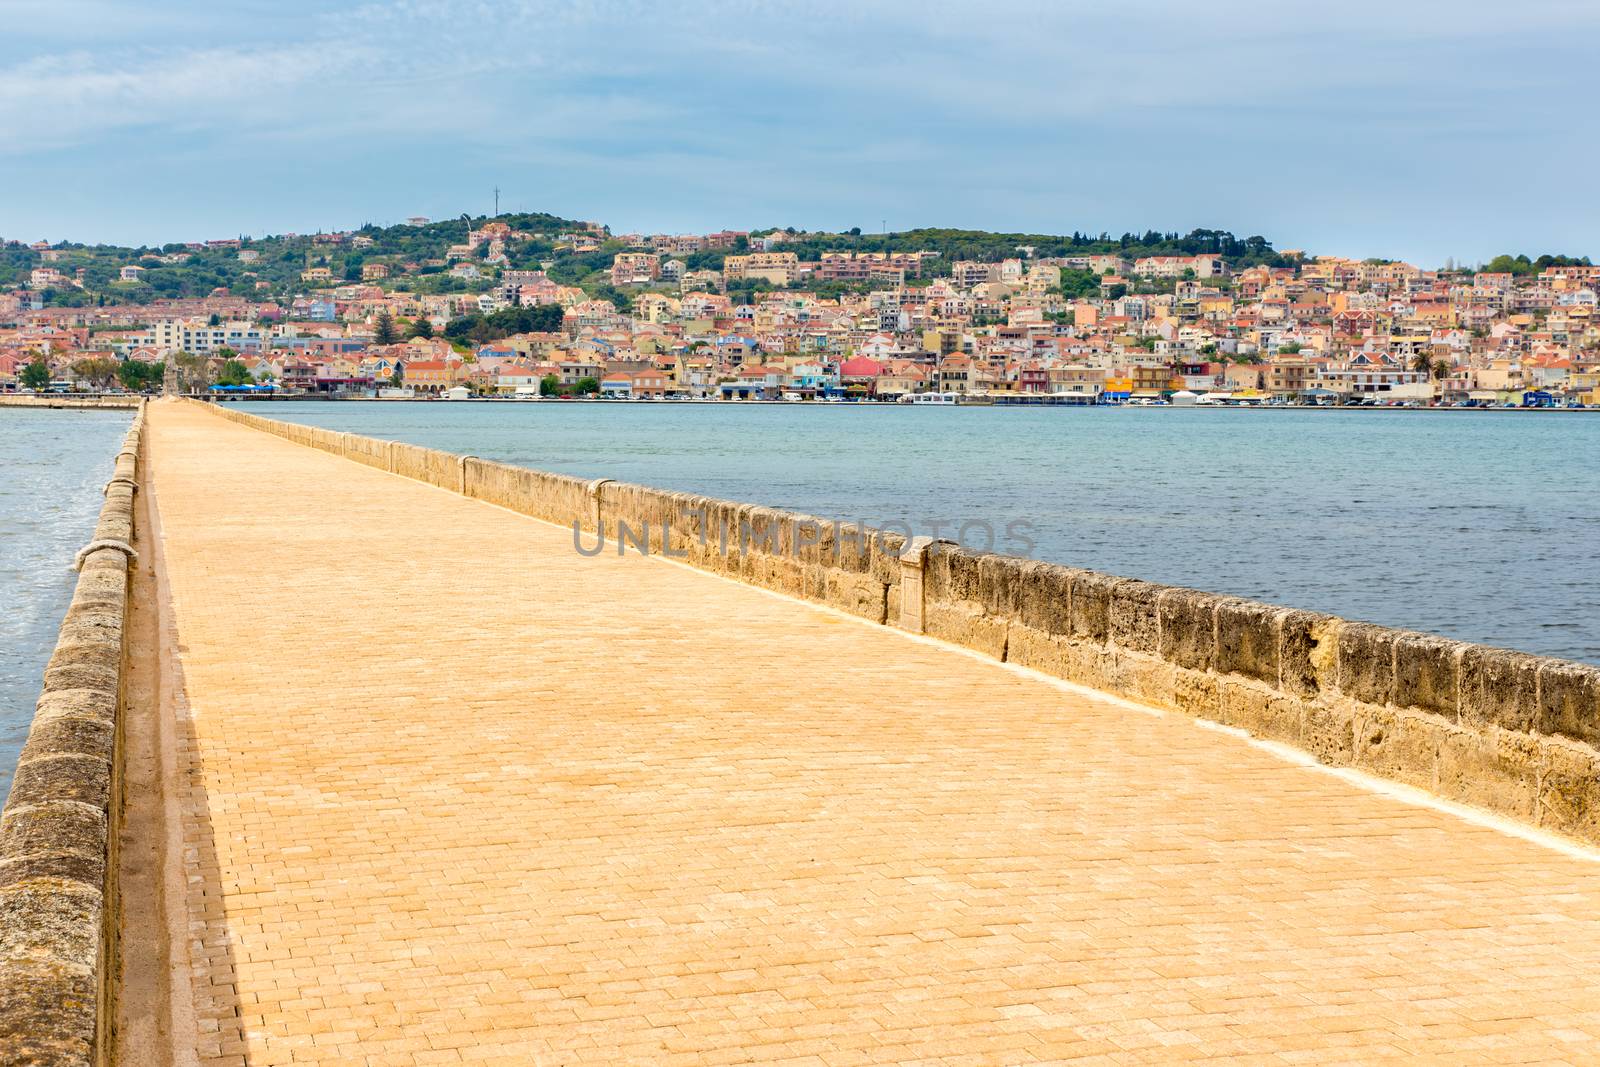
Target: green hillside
416, 257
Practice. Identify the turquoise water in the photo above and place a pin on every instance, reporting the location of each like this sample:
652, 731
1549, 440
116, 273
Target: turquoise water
56, 465
1483, 526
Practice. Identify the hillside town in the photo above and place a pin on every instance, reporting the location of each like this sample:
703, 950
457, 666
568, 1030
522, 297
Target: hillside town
742, 316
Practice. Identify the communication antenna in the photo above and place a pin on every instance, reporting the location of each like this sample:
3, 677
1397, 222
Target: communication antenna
497, 201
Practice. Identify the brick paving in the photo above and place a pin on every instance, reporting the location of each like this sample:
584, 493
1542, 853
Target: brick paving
453, 794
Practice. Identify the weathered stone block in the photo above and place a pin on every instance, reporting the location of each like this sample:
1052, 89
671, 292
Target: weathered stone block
1499, 688
67, 776
1147, 679
1000, 582
1135, 624
1090, 609
95, 703
964, 625
1569, 790
1239, 703
1056, 655
1047, 653
1366, 662
951, 574
1427, 673
1249, 636
81, 869
1569, 700
81, 675
1044, 599
59, 923
1263, 714
1197, 693
1397, 744
849, 547
47, 1016
87, 645
1188, 628
885, 547
1491, 768
61, 735
1308, 653
1327, 731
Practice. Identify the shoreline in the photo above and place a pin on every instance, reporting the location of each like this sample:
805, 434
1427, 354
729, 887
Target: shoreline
130, 402
870, 404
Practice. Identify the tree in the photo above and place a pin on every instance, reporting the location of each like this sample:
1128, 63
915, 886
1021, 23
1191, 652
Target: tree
481, 329
1079, 283
194, 372
384, 332
586, 385
234, 373
99, 372
36, 375
422, 327
135, 375
549, 385
1441, 369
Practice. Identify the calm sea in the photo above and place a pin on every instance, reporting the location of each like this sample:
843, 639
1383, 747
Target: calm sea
1483, 526
56, 463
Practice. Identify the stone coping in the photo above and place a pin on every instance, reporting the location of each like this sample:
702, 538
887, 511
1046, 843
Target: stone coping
1503, 730
112, 402
57, 831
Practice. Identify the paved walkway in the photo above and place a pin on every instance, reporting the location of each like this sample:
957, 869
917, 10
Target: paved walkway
453, 794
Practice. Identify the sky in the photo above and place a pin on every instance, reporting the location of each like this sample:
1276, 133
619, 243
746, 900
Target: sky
1413, 129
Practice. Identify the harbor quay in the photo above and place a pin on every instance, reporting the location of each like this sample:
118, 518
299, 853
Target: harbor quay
347, 756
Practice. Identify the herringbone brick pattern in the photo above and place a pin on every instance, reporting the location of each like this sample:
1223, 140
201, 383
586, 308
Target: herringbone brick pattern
455, 795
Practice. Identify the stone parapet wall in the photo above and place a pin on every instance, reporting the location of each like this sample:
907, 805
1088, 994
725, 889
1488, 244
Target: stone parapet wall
58, 829
46, 400
1501, 730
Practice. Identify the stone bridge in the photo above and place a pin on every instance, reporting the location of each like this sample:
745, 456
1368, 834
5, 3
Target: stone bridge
352, 753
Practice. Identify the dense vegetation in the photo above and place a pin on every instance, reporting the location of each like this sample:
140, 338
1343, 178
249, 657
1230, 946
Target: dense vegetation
416, 256
481, 329
280, 259
982, 245
1524, 267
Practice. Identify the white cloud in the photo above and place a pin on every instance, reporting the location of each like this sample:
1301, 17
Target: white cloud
56, 101
1026, 113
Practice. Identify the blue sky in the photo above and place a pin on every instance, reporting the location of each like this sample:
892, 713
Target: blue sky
1406, 128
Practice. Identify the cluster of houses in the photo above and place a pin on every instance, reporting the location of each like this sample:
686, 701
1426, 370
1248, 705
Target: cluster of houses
1324, 329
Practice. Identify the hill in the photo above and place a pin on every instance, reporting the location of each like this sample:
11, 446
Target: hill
417, 257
